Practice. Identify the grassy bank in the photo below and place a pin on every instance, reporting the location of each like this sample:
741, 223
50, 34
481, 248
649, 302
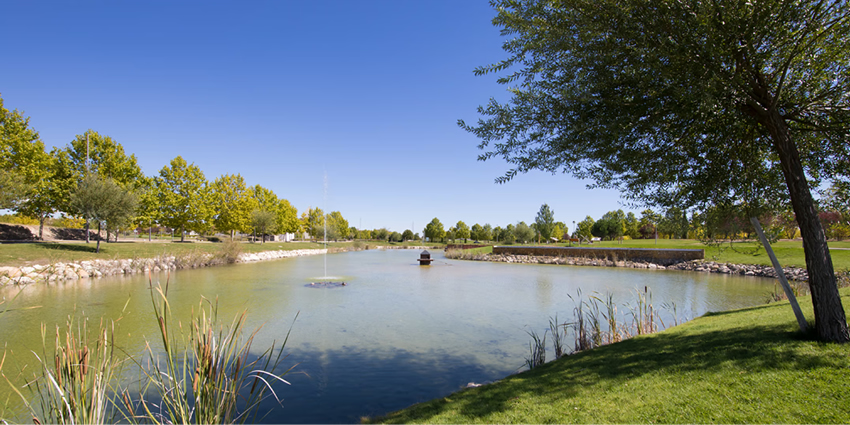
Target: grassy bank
21, 254
789, 253
743, 366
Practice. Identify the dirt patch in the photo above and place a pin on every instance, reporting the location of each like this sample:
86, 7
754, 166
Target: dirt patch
29, 232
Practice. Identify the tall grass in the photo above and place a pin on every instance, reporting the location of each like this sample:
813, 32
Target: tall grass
537, 350
74, 384
597, 322
209, 375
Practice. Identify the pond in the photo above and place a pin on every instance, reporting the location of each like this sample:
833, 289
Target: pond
395, 335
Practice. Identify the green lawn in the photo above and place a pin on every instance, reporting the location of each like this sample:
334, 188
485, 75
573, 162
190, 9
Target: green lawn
743, 366
18, 254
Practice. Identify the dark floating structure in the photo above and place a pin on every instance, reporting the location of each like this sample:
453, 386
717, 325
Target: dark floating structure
325, 284
425, 258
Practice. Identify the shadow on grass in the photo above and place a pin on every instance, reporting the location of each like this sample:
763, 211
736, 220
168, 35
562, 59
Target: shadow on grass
70, 247
755, 348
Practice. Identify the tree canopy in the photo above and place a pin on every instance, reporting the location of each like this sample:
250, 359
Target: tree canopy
686, 103
183, 197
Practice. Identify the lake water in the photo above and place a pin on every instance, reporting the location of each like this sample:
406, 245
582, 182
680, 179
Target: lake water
396, 334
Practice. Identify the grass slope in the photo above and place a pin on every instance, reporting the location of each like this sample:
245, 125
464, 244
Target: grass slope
743, 366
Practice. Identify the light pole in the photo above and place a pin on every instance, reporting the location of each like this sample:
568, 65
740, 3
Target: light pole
575, 232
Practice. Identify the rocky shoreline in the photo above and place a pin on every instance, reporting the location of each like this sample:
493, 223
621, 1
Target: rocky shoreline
791, 273
99, 268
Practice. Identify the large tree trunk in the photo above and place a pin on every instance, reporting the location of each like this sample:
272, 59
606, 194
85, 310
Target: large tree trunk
182, 234
830, 321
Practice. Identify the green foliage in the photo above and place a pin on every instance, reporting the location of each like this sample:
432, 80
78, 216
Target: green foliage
233, 204
106, 158
462, 231
434, 230
584, 228
337, 226
632, 226
674, 224
381, 234
104, 202
314, 221
23, 161
265, 199
287, 217
263, 222
407, 235
13, 189
182, 197
487, 232
523, 233
545, 221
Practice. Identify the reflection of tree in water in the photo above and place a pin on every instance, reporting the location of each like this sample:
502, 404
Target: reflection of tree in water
341, 386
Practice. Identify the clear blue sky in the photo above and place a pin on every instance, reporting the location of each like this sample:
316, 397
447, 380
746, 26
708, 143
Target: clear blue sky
283, 92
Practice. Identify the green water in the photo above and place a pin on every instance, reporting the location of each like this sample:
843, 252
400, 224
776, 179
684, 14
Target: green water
396, 334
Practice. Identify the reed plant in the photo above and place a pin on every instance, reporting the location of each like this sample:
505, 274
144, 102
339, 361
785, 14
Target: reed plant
643, 313
208, 376
537, 350
558, 331
74, 383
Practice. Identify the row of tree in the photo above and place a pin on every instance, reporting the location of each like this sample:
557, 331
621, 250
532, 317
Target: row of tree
93, 178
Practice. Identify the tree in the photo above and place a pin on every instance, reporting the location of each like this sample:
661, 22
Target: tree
33, 183
584, 228
263, 222
462, 231
509, 234
674, 223
545, 222
93, 153
683, 103
475, 232
434, 230
523, 233
395, 237
381, 234
632, 226
315, 222
496, 234
104, 202
487, 232
407, 235
337, 226
233, 204
21, 153
183, 197
287, 217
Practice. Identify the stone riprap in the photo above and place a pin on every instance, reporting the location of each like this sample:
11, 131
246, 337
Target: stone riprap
98, 268
664, 257
791, 273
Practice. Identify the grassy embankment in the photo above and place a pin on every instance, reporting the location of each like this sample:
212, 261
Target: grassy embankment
20, 254
789, 253
744, 366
